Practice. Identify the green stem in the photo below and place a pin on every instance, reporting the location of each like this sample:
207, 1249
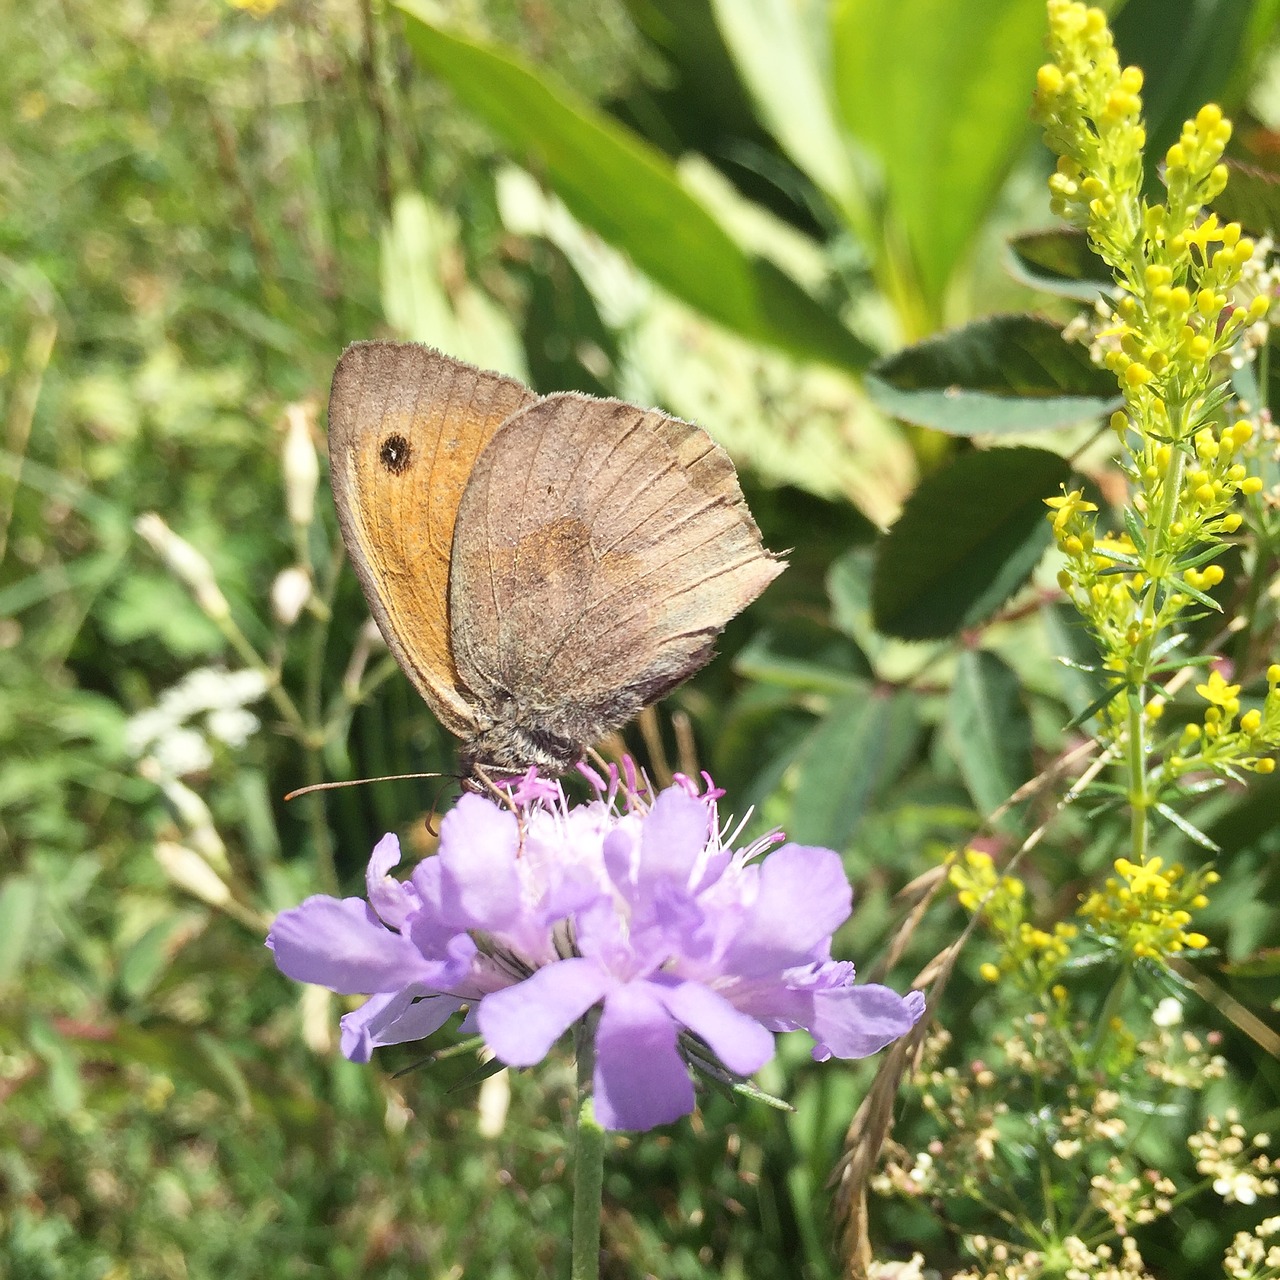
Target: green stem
588, 1162
1157, 569
1109, 1008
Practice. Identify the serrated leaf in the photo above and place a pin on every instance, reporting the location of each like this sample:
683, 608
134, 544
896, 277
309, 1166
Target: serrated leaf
1059, 262
1004, 373
857, 748
990, 730
629, 193
967, 539
802, 654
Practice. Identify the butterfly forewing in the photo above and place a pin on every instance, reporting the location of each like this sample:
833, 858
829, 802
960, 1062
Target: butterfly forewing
406, 426
599, 550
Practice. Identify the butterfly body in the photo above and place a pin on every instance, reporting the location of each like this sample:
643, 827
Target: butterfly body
542, 567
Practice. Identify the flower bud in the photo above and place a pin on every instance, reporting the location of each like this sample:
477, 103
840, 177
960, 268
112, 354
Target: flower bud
300, 464
186, 562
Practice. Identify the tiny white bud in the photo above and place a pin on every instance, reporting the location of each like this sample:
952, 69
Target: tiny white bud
289, 594
190, 872
186, 562
300, 463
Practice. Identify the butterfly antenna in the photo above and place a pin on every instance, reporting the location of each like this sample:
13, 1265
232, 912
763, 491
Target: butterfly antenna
359, 782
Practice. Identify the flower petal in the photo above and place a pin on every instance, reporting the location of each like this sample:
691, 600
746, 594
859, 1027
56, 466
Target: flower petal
394, 1019
640, 1078
387, 895
857, 1021
673, 836
804, 896
342, 945
521, 1023
737, 1039
480, 885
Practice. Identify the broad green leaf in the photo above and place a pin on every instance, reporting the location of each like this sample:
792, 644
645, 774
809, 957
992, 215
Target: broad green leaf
627, 191
800, 653
773, 46
1059, 262
856, 749
967, 539
1188, 53
990, 730
461, 319
1005, 373
938, 93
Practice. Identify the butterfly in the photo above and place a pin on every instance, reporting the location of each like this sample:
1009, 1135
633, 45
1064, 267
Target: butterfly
542, 567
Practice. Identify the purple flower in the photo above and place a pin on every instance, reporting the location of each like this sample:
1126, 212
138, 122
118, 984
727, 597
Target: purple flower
532, 915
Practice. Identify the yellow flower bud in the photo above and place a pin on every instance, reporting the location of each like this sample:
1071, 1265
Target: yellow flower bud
1174, 158
1237, 473
1208, 302
1191, 732
1065, 580
1131, 79
1242, 432
1204, 494
1137, 375
1073, 546
1259, 308
1120, 422
1199, 347
1265, 765
1209, 117
1049, 80
1244, 251
1250, 486
1231, 522
1231, 234
1251, 722
989, 972
1180, 298
1212, 575
1273, 673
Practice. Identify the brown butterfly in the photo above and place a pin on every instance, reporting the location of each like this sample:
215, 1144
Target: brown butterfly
541, 566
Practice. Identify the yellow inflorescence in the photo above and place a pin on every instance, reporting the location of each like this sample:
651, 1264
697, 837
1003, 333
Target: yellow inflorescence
1146, 909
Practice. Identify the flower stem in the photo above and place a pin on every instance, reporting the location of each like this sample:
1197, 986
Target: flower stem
588, 1162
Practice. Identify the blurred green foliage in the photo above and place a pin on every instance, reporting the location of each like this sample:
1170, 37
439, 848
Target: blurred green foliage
726, 208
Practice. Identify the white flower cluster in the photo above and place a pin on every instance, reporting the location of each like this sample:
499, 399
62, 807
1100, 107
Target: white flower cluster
207, 705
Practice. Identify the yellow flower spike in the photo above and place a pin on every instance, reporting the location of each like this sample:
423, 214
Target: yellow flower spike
1251, 722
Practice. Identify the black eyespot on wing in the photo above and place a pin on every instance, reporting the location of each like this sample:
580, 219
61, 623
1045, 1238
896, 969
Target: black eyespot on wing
395, 454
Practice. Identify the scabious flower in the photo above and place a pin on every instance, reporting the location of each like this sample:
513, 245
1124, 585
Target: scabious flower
535, 913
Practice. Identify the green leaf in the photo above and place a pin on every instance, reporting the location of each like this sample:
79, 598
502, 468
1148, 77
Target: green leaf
937, 92
967, 539
1069, 638
801, 653
777, 60
19, 898
856, 749
990, 731
1188, 54
1059, 262
1192, 832
1005, 373
627, 191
